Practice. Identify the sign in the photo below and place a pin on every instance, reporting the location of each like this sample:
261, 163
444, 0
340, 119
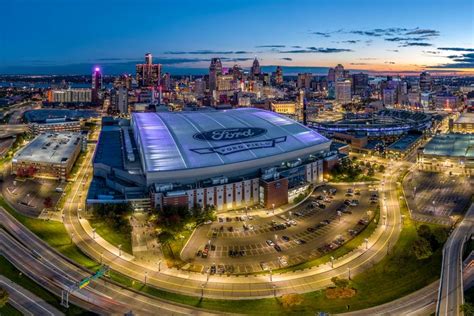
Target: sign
230, 134
241, 146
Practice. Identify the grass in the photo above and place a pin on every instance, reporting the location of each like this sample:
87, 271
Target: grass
112, 235
9, 310
12, 273
172, 257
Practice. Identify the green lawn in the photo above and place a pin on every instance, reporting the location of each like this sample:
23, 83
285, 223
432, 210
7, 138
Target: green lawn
9, 271
112, 235
172, 256
9, 310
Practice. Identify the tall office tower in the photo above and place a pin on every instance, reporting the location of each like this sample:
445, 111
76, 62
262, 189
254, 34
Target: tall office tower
96, 84
122, 100
237, 72
338, 72
255, 70
278, 75
425, 82
360, 84
331, 75
215, 69
167, 81
148, 74
304, 80
343, 91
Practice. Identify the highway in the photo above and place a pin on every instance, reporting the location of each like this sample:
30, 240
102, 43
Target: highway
451, 294
25, 301
54, 272
234, 287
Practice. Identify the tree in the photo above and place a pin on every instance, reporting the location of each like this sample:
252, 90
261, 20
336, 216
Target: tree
422, 248
165, 238
3, 297
48, 203
340, 283
381, 168
440, 235
467, 309
424, 231
371, 172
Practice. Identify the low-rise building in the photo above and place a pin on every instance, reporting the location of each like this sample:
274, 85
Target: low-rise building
464, 123
50, 155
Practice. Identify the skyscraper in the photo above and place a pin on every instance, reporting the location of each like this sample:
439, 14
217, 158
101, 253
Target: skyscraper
425, 82
255, 70
343, 91
278, 75
360, 84
96, 84
148, 74
304, 80
338, 72
215, 69
331, 75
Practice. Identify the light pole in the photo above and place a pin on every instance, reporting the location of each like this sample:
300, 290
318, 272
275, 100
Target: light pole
273, 208
274, 290
271, 275
349, 272
120, 250
339, 215
202, 290
276, 237
159, 266
72, 237
93, 233
384, 220
366, 240
332, 262
146, 274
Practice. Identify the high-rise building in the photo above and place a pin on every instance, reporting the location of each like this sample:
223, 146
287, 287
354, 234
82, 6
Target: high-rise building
278, 75
304, 80
237, 72
338, 72
425, 82
167, 81
215, 69
96, 84
360, 84
255, 69
148, 74
389, 97
343, 91
331, 75
122, 100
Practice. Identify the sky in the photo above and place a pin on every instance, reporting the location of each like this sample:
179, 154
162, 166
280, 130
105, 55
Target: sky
66, 36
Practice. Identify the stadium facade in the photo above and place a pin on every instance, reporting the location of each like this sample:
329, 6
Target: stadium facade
225, 159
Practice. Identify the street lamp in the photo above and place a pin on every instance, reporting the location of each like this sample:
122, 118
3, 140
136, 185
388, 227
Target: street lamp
120, 250
349, 272
93, 233
274, 290
271, 275
202, 290
273, 208
332, 262
72, 237
159, 266
146, 274
366, 243
276, 237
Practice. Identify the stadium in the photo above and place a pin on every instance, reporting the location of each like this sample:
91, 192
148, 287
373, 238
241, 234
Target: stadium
382, 123
225, 159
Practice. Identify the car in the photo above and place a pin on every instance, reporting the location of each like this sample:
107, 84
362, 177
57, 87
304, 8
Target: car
354, 202
325, 222
214, 234
346, 211
250, 217
285, 238
347, 202
243, 218
221, 220
199, 253
302, 241
349, 194
213, 269
208, 222
270, 243
245, 227
283, 261
320, 197
310, 229
373, 201
230, 229
250, 226
264, 266
277, 248
228, 219
322, 206
298, 214
363, 222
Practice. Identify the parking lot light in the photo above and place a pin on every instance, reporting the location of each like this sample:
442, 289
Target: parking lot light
332, 262
349, 272
120, 250
271, 275
274, 290
366, 240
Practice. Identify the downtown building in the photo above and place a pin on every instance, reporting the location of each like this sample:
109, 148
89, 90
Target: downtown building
221, 159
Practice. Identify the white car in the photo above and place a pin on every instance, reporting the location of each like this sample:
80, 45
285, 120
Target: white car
208, 222
250, 226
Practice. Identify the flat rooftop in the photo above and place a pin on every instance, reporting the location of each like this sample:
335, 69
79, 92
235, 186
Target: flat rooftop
188, 140
47, 115
465, 118
405, 142
50, 148
452, 145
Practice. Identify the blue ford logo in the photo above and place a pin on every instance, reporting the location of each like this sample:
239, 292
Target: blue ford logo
229, 134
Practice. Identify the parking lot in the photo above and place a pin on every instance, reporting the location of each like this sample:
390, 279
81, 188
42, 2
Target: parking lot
437, 195
29, 195
245, 244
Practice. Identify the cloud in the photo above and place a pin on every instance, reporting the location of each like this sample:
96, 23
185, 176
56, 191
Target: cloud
457, 49
431, 52
423, 32
410, 44
206, 52
389, 62
465, 60
323, 34
359, 64
401, 39
393, 50
296, 46
368, 58
351, 41
286, 58
270, 46
323, 50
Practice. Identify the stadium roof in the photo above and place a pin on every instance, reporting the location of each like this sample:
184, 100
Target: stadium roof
454, 145
50, 148
187, 140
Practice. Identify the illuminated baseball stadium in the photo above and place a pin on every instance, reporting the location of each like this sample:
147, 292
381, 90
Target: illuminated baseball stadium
225, 159
379, 124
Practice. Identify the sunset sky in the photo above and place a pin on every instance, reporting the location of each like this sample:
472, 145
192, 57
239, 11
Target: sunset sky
68, 36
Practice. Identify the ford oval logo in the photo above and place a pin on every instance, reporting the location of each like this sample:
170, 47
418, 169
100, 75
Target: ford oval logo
229, 134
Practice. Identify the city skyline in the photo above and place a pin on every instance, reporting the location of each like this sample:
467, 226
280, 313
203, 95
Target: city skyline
402, 37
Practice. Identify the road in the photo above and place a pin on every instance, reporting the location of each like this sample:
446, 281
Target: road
451, 294
234, 287
25, 301
54, 272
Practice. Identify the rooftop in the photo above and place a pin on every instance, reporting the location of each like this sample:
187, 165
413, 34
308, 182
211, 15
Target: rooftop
454, 145
405, 142
50, 148
186, 140
45, 115
465, 118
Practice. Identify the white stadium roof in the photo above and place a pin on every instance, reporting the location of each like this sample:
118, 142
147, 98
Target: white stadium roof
188, 140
